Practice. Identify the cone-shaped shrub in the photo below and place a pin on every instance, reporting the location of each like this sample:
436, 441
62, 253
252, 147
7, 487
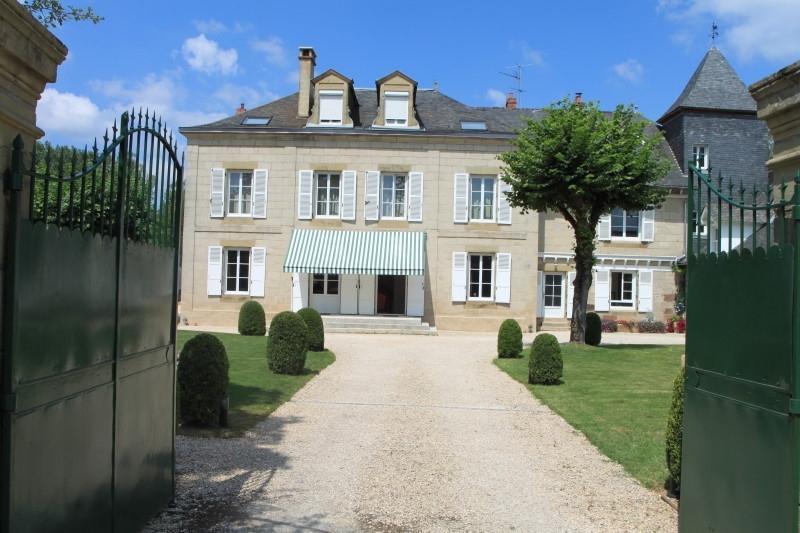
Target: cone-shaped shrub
202, 380
251, 319
675, 433
545, 366
509, 339
287, 343
594, 329
316, 329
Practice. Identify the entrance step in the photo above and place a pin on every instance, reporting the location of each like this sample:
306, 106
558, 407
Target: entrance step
555, 324
377, 324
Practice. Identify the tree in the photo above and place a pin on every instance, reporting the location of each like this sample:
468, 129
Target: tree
53, 13
582, 163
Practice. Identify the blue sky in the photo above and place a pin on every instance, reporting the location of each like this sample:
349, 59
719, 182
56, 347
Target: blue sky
196, 61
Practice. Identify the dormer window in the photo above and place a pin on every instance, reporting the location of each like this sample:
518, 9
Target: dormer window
396, 108
330, 108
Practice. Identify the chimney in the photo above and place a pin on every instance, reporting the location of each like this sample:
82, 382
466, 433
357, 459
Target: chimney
578, 98
307, 62
511, 101
241, 109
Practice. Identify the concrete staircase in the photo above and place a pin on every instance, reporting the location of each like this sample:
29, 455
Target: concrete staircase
555, 324
402, 325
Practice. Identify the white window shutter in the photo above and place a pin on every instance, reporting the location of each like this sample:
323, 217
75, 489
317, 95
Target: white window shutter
305, 193
372, 195
604, 228
648, 218
217, 198
330, 107
459, 286
540, 305
299, 291
461, 198
214, 286
258, 268
570, 292
348, 195
503, 208
601, 290
260, 178
415, 196
502, 290
415, 305
645, 291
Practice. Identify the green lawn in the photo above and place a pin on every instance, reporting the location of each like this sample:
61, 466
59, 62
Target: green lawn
618, 396
254, 390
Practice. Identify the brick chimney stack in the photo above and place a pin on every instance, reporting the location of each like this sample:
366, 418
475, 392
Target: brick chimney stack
308, 61
241, 109
579, 98
511, 101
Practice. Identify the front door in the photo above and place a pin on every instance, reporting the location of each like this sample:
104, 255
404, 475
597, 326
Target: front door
553, 295
348, 289
391, 295
325, 293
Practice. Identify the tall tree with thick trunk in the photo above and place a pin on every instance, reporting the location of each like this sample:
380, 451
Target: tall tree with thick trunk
581, 162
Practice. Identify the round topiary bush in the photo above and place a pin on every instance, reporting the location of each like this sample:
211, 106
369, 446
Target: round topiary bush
316, 329
509, 339
252, 320
203, 381
675, 433
545, 366
594, 329
287, 343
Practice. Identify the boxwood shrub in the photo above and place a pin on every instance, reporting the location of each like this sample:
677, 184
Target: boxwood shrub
545, 366
203, 381
594, 329
316, 329
509, 339
287, 343
251, 319
675, 434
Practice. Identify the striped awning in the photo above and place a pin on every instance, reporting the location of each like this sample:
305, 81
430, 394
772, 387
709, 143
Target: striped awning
324, 251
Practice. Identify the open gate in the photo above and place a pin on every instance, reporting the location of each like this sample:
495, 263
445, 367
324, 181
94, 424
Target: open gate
89, 315
742, 388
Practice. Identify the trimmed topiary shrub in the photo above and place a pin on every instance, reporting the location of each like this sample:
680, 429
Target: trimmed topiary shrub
594, 329
509, 339
545, 366
287, 343
252, 320
203, 381
675, 434
316, 329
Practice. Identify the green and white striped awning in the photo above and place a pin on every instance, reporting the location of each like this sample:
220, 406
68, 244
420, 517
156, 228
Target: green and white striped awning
324, 251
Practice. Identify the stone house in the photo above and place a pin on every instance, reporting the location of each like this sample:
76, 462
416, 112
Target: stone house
388, 201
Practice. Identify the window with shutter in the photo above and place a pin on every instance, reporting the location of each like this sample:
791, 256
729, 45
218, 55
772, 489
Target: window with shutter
258, 265
645, 291
601, 290
395, 108
260, 178
330, 107
460, 199
459, 277
348, 209
503, 207
217, 193
503, 287
305, 187
415, 196
372, 195
214, 278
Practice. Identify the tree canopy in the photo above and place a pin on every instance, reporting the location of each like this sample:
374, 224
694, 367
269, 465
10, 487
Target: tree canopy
53, 13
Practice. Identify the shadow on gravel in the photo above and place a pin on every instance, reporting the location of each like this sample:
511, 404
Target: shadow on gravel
216, 477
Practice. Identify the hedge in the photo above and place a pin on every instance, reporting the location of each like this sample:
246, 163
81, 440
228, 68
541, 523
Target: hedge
675, 433
252, 321
316, 328
509, 339
594, 329
287, 343
545, 366
203, 381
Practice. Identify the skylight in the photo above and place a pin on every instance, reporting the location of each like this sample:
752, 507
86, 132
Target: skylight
256, 121
473, 125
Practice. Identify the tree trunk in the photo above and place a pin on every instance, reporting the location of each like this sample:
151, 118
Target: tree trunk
584, 261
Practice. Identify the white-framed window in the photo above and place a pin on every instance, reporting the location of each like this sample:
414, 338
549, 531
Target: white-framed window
700, 156
240, 192
625, 224
482, 198
325, 284
703, 228
395, 108
327, 202
622, 289
552, 290
330, 107
393, 195
481, 277
237, 271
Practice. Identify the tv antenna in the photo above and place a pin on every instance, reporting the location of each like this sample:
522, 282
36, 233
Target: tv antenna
516, 74
714, 33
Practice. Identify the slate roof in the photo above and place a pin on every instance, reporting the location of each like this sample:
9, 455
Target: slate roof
714, 85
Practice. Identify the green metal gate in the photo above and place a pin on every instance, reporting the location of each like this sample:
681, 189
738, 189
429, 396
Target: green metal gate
742, 388
90, 302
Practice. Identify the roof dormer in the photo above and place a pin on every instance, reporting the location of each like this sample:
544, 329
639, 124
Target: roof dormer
333, 101
396, 98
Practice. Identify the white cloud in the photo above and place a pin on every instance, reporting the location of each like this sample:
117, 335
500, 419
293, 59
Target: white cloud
533, 57
496, 97
751, 28
71, 115
272, 48
204, 55
209, 26
630, 70
232, 95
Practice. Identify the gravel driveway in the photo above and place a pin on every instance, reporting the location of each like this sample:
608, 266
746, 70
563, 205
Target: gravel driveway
409, 433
